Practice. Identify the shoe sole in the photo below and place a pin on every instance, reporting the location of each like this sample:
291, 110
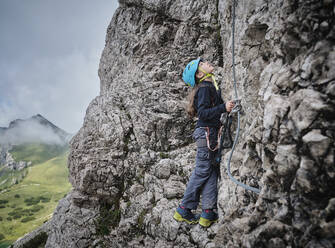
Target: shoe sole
180, 218
205, 222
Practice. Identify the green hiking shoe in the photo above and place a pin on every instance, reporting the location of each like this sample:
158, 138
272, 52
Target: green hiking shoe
184, 214
208, 217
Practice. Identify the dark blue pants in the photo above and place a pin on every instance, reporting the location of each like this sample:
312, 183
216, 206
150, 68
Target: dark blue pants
204, 177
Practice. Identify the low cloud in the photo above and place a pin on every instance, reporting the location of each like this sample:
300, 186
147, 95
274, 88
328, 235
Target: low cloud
30, 131
59, 89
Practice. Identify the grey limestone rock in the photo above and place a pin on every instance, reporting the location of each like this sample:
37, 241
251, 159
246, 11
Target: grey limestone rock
7, 160
131, 160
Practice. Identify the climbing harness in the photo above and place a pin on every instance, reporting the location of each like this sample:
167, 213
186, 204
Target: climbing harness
208, 142
236, 110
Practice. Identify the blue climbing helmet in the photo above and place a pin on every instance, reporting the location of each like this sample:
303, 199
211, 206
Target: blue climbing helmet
190, 71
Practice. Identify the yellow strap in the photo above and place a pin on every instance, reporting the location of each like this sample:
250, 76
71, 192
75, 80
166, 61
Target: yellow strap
215, 84
207, 76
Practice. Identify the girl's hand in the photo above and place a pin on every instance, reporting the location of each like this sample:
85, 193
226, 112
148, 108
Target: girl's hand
229, 106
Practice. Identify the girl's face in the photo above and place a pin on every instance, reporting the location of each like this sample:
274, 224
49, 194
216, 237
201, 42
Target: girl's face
206, 66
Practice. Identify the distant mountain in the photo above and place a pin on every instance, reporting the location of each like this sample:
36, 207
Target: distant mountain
26, 143
2, 130
35, 129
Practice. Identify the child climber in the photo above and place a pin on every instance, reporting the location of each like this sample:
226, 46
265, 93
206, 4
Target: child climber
206, 103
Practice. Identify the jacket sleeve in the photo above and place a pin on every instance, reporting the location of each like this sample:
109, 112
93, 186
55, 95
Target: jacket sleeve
204, 106
220, 97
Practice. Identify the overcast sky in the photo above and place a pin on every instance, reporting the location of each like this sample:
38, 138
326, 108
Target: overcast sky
49, 58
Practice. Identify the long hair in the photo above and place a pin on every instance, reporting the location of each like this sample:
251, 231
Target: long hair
190, 109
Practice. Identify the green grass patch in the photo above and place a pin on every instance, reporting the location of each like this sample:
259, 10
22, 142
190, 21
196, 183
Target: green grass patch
109, 218
163, 155
34, 152
37, 152
10, 177
35, 200
5, 244
140, 218
40, 191
27, 219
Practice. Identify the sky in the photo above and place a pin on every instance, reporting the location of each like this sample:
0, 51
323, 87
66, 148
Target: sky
49, 58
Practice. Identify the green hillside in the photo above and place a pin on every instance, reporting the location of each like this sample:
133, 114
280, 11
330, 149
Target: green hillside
28, 204
10, 177
37, 152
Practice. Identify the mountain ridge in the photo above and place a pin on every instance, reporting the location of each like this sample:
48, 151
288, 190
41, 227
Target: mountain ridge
35, 128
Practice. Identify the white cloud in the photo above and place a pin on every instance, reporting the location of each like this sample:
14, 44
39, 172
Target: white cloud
31, 131
50, 58
59, 89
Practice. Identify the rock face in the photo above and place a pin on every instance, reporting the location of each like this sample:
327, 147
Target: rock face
11, 164
7, 161
130, 161
3, 154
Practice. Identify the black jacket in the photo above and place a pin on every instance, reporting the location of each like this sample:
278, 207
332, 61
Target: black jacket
209, 105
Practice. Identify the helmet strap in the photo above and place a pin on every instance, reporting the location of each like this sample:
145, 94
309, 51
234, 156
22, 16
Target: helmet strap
207, 75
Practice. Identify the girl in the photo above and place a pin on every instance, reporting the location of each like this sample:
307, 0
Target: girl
206, 103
